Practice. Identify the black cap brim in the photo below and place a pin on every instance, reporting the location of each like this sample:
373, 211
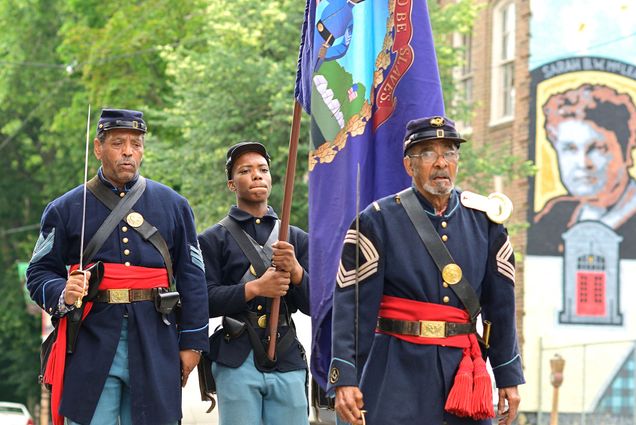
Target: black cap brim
243, 148
410, 143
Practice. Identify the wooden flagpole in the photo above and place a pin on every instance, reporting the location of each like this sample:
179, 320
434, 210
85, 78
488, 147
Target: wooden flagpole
283, 233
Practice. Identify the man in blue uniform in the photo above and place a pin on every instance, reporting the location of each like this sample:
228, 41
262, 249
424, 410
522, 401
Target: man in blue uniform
245, 267
414, 355
132, 353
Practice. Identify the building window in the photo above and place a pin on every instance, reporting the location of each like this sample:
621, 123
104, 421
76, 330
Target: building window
464, 77
503, 54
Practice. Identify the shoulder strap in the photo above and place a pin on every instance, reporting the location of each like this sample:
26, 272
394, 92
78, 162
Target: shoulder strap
260, 264
242, 239
123, 207
437, 249
118, 208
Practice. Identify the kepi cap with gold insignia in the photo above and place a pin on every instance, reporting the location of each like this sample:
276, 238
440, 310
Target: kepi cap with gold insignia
111, 119
430, 128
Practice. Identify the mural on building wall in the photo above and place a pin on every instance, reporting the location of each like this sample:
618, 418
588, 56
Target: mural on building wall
583, 199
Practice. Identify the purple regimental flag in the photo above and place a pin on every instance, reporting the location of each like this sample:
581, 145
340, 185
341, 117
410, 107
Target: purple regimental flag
365, 69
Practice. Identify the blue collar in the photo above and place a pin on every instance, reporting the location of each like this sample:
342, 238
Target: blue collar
127, 186
453, 203
239, 215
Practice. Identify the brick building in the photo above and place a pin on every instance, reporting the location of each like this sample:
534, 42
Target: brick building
573, 282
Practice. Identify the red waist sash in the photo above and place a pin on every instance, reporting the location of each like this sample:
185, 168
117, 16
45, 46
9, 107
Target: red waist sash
404, 309
116, 276
471, 394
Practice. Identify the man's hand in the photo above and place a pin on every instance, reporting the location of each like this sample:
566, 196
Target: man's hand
272, 284
189, 360
284, 259
511, 395
76, 286
349, 404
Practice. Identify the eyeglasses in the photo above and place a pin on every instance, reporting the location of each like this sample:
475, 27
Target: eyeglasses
431, 156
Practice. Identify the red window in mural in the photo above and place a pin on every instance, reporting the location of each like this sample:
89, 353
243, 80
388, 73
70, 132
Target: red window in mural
590, 293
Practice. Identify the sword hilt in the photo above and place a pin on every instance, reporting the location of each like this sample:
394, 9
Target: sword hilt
78, 301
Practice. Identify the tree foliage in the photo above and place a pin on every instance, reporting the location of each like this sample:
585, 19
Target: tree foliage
238, 86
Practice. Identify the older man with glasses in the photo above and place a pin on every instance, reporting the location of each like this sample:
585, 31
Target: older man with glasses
417, 270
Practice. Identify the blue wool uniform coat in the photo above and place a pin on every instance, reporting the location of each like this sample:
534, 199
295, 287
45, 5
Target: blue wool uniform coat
153, 346
225, 265
403, 382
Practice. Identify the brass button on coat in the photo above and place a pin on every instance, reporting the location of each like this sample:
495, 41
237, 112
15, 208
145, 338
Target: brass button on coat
446, 299
125, 240
122, 194
262, 321
444, 224
258, 221
444, 238
126, 251
124, 229
127, 263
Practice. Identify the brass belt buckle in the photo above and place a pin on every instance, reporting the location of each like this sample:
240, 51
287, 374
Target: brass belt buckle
118, 296
432, 329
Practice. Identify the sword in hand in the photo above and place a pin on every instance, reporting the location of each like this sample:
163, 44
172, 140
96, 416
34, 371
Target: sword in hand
78, 302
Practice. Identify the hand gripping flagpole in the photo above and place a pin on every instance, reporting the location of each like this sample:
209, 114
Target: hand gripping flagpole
78, 302
283, 233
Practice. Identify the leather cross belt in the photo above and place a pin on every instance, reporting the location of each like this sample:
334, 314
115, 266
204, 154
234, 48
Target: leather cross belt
425, 328
126, 296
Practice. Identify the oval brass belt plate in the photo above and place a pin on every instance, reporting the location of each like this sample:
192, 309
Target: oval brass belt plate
134, 219
451, 273
262, 321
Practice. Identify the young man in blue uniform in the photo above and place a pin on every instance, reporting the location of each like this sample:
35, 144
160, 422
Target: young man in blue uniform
414, 356
250, 390
129, 360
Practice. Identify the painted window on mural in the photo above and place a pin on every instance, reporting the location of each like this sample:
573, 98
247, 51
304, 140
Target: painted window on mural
590, 286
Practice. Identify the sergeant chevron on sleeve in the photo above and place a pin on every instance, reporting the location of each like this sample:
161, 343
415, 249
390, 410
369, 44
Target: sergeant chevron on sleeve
121, 353
424, 264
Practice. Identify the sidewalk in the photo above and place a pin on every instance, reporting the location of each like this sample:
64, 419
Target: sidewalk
193, 408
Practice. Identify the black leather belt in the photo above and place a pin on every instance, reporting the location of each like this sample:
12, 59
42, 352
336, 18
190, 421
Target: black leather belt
126, 296
425, 328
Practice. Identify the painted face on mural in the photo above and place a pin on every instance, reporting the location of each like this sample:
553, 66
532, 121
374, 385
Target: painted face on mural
590, 158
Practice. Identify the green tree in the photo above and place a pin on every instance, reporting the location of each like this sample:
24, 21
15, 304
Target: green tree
58, 56
238, 87
33, 83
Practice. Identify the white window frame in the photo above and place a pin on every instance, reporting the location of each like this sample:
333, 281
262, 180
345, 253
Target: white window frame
464, 75
502, 98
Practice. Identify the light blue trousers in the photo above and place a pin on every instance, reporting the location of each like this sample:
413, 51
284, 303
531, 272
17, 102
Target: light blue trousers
247, 396
113, 407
